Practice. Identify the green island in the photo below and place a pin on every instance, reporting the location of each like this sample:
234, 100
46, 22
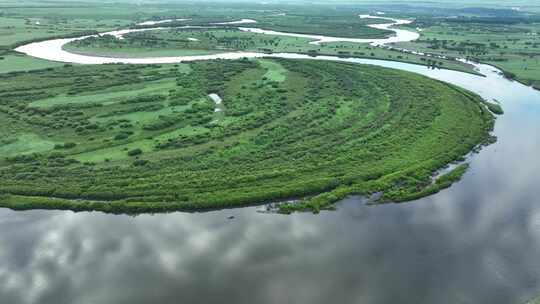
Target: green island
216, 134
323, 23
175, 41
317, 21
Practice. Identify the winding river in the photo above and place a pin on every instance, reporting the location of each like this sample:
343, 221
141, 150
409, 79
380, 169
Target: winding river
476, 242
53, 49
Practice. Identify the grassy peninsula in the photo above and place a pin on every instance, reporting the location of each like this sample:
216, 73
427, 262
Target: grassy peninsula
152, 138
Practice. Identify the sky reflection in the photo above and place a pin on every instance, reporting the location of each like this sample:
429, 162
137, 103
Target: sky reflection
458, 247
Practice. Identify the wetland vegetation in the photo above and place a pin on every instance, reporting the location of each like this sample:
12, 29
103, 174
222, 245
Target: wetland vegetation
181, 41
507, 39
133, 138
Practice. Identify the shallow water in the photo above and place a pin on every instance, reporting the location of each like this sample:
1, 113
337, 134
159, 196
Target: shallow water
242, 21
152, 22
477, 242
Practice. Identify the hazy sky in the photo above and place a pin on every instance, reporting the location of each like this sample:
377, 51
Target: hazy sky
425, 2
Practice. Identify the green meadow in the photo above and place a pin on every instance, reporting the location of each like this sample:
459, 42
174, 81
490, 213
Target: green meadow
133, 138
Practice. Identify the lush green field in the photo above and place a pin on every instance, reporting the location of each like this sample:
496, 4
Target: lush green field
13, 30
19, 62
328, 24
28, 21
178, 42
133, 138
21, 24
513, 47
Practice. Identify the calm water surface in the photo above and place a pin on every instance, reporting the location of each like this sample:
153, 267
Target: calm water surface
477, 242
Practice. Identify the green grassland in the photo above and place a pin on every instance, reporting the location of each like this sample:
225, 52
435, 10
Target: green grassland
19, 62
21, 24
138, 138
14, 30
515, 48
178, 42
24, 22
29, 21
337, 25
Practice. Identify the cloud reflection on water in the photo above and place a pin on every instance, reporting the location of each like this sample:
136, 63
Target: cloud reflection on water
460, 246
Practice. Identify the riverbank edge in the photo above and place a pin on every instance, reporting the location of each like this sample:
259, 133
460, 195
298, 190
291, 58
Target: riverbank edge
312, 203
465, 70
510, 79
322, 201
